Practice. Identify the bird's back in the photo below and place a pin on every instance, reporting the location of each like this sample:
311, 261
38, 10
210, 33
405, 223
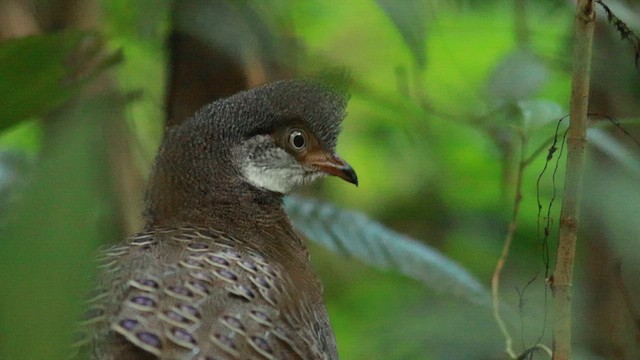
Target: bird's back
198, 293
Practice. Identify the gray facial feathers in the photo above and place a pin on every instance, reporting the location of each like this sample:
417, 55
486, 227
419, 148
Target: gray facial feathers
318, 105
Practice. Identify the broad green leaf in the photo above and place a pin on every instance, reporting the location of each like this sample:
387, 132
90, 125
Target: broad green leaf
38, 73
32, 75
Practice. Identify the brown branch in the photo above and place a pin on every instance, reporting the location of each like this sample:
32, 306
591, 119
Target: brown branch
17, 20
562, 280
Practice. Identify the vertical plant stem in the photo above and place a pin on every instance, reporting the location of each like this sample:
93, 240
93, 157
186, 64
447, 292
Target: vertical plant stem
561, 283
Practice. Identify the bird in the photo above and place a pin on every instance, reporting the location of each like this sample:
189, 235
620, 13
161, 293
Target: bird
217, 271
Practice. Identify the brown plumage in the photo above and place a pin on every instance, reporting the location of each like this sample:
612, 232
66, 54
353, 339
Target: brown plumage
219, 272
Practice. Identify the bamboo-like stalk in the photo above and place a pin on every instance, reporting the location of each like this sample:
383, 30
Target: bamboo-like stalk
561, 283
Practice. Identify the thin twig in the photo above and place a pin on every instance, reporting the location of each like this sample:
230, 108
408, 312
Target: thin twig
562, 280
625, 32
544, 146
495, 279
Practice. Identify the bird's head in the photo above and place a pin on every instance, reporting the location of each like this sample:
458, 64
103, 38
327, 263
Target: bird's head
284, 134
275, 137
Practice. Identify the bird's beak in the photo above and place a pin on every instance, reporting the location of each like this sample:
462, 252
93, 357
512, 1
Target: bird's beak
333, 165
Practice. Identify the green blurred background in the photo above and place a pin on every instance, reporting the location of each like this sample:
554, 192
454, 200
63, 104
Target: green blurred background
448, 98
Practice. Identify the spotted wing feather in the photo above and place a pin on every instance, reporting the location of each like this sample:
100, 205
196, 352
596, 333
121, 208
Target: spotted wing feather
211, 297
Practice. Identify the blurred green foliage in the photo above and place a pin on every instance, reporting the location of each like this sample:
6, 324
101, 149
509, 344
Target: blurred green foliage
31, 73
49, 234
444, 94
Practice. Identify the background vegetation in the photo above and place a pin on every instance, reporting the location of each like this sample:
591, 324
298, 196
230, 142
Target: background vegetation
451, 103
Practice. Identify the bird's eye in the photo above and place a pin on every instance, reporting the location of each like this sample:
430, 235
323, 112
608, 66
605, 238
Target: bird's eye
297, 140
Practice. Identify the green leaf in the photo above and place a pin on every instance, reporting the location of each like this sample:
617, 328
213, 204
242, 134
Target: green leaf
353, 234
38, 73
519, 75
410, 18
538, 113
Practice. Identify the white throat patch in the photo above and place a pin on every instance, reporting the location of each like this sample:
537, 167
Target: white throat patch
266, 166
277, 180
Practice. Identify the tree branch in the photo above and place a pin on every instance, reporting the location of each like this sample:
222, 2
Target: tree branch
561, 282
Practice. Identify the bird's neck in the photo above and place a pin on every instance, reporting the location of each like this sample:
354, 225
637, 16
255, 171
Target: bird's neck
216, 198
194, 183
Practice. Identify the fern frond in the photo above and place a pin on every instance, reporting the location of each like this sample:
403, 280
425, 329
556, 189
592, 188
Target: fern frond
352, 234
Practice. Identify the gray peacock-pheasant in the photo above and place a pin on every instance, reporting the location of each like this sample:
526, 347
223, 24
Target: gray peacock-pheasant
218, 271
